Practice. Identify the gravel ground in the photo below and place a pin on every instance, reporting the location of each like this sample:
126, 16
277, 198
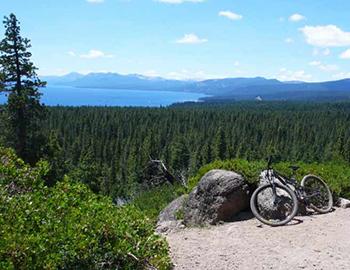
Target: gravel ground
310, 242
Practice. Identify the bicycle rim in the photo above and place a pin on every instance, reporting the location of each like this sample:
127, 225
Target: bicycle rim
274, 210
317, 194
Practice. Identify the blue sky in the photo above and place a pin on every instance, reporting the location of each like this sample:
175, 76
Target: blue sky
189, 39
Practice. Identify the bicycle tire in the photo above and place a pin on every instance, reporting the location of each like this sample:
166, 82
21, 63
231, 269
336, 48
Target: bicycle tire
255, 209
326, 208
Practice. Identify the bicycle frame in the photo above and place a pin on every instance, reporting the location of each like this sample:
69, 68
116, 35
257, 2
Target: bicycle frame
273, 174
298, 189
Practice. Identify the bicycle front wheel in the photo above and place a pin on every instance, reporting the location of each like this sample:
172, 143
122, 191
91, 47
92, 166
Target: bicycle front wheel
274, 205
317, 194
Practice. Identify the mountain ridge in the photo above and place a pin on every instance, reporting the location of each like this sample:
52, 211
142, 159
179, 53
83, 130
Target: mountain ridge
219, 89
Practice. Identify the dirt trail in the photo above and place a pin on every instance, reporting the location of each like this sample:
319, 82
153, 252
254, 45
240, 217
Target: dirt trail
316, 242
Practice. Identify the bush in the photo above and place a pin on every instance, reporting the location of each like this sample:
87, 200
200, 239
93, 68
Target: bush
13, 171
337, 175
153, 201
69, 227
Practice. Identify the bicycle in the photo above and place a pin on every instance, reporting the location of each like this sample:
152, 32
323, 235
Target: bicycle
276, 203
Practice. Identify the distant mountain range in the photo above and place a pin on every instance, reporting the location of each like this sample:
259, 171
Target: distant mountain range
218, 89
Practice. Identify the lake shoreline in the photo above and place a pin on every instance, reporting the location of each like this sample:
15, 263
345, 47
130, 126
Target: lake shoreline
57, 95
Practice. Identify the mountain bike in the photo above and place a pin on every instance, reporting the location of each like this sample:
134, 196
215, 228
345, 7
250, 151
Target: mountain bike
276, 202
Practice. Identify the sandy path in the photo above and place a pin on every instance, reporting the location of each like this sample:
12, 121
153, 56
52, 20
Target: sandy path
318, 242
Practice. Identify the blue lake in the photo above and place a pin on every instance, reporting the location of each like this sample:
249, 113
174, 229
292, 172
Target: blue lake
71, 96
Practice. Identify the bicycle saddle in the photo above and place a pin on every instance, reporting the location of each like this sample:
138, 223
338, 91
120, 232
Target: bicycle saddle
294, 167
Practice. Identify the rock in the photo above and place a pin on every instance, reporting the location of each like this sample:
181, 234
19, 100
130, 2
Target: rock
265, 198
343, 203
168, 218
219, 196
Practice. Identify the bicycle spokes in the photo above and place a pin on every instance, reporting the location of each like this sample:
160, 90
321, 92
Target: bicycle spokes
274, 204
316, 194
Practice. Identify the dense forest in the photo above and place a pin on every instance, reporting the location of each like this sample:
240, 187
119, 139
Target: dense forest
109, 148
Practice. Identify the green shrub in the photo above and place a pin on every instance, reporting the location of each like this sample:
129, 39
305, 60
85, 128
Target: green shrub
14, 171
250, 170
153, 201
337, 175
69, 227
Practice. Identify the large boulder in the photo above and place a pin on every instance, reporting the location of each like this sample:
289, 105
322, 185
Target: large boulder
265, 198
170, 218
219, 196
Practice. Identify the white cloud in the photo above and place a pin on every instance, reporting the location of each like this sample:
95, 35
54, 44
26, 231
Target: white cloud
345, 55
179, 1
185, 74
324, 67
326, 36
93, 54
288, 75
296, 17
236, 63
289, 40
95, 1
315, 63
191, 39
341, 75
198, 75
71, 53
230, 15
151, 73
325, 52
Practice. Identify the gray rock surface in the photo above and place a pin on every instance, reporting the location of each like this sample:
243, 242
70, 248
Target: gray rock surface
167, 219
219, 196
343, 203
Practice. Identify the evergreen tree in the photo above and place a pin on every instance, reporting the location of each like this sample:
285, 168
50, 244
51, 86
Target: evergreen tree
220, 146
58, 165
88, 172
2, 80
180, 155
21, 82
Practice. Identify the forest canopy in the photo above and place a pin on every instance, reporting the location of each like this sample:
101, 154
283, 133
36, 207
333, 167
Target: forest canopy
108, 148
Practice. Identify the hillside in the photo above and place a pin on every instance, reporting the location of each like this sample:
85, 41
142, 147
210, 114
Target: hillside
309, 242
219, 89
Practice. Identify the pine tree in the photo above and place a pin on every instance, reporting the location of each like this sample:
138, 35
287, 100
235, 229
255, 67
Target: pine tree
21, 83
220, 146
180, 155
2, 81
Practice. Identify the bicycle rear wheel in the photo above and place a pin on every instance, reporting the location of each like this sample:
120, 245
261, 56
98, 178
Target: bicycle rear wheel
317, 194
274, 208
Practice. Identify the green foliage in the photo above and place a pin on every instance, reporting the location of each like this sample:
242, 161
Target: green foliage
88, 172
14, 171
180, 155
69, 227
220, 147
20, 81
121, 140
153, 201
337, 175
